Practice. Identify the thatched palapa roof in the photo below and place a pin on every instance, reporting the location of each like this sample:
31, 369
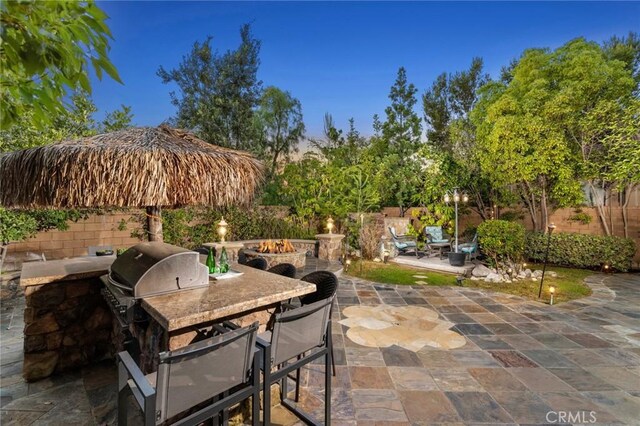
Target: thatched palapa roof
130, 168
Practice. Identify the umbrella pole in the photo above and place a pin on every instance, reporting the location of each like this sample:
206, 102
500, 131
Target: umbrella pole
154, 223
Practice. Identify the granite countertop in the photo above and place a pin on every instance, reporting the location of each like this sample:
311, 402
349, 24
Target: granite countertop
77, 268
253, 289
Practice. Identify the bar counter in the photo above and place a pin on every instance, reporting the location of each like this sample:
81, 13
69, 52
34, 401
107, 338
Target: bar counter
223, 299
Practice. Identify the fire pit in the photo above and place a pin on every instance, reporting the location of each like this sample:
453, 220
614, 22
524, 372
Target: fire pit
276, 252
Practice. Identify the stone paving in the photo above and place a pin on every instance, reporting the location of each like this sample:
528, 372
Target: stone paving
521, 361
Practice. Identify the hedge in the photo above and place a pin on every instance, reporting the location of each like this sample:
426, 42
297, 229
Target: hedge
581, 250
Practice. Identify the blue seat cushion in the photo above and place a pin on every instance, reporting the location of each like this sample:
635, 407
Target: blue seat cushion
439, 241
405, 245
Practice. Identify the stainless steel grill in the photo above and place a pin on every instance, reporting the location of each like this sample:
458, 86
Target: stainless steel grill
150, 269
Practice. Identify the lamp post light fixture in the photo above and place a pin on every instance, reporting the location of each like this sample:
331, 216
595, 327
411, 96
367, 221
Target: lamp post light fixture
330, 225
457, 197
550, 229
222, 229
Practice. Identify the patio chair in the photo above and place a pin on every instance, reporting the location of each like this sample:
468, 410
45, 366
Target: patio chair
326, 286
470, 249
202, 250
284, 269
435, 234
403, 243
217, 372
257, 263
299, 337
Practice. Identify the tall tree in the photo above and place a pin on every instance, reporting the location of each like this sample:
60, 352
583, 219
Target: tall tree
280, 126
46, 52
543, 131
118, 119
218, 93
447, 105
401, 133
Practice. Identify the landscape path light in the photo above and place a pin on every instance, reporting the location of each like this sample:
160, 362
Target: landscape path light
552, 291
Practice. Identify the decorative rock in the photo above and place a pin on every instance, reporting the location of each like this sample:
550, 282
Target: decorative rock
474, 278
537, 273
44, 324
54, 340
39, 365
100, 318
527, 273
493, 278
553, 274
421, 282
534, 279
480, 271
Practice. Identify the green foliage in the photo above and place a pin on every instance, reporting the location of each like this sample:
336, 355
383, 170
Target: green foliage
16, 226
502, 241
541, 130
218, 93
191, 227
399, 168
279, 126
75, 122
580, 216
119, 119
46, 52
581, 250
19, 225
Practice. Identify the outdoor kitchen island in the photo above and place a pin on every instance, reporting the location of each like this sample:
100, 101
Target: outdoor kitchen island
176, 318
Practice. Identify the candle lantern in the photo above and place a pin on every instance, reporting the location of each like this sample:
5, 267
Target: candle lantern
330, 225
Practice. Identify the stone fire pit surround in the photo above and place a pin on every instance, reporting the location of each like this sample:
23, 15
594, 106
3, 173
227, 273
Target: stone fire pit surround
297, 258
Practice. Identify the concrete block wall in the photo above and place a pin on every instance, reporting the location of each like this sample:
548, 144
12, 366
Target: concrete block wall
97, 230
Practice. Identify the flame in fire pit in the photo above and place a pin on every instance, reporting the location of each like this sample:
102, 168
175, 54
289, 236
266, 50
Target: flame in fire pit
279, 246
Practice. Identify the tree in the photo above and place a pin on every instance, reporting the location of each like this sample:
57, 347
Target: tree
75, 122
543, 130
339, 150
401, 132
119, 119
218, 93
280, 126
46, 50
447, 106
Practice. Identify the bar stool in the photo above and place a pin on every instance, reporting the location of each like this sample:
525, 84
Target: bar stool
219, 372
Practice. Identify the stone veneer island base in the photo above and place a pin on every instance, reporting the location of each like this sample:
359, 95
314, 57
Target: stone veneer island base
67, 322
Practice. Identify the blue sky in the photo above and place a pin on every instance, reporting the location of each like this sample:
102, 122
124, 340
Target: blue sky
340, 57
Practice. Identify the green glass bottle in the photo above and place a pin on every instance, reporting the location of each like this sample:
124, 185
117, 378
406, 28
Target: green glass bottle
211, 260
224, 261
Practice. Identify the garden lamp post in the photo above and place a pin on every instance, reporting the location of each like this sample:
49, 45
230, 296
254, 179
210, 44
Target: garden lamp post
457, 197
550, 229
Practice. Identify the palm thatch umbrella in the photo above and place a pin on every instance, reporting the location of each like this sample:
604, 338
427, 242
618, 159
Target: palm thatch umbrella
138, 167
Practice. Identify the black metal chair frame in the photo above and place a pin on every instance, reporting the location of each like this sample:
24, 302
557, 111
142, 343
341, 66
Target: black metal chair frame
309, 298
284, 269
145, 394
282, 374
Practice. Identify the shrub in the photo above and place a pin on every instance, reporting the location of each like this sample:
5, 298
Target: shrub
190, 227
502, 241
581, 250
369, 240
18, 225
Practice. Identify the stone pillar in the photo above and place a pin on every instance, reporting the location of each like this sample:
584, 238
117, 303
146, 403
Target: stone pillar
330, 246
232, 247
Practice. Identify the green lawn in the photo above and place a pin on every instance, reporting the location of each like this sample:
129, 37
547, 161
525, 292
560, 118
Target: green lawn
569, 283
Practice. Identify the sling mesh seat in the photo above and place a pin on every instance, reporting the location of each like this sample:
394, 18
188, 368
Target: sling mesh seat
299, 336
284, 269
194, 383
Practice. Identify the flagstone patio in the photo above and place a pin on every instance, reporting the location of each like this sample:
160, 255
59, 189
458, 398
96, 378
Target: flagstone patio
521, 360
